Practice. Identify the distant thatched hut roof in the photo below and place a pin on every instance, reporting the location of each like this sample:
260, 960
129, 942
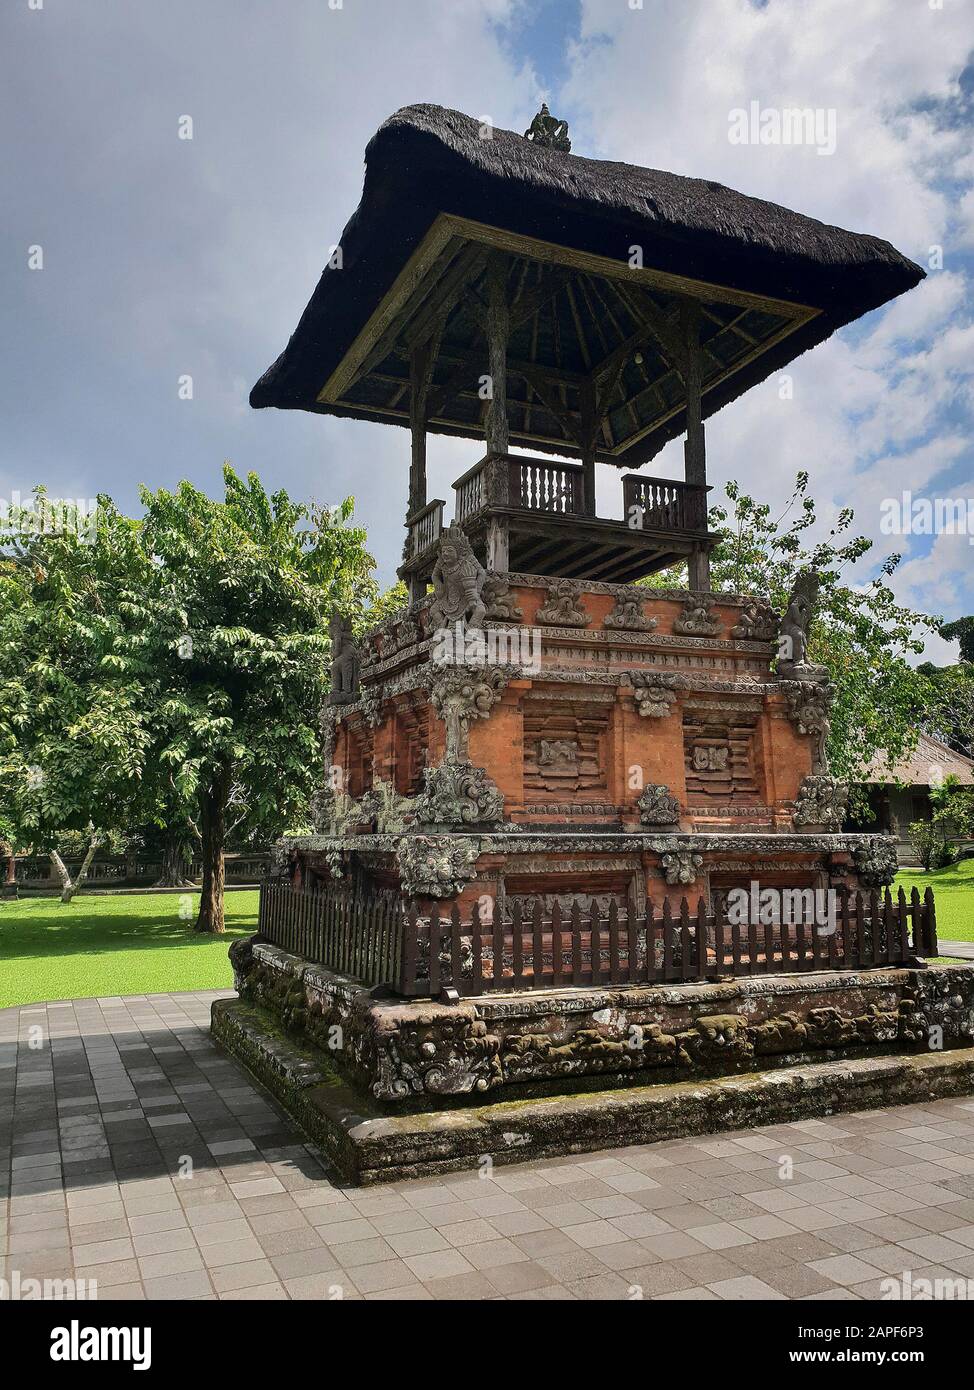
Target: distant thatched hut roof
930, 763
438, 197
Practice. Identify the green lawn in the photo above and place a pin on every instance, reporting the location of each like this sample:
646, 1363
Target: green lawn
137, 943
132, 943
954, 893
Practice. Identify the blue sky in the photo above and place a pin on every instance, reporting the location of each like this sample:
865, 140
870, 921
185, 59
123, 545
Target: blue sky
165, 257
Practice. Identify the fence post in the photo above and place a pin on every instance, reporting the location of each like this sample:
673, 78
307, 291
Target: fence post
930, 923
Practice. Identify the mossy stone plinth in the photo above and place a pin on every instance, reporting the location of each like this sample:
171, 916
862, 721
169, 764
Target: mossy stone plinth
369, 1145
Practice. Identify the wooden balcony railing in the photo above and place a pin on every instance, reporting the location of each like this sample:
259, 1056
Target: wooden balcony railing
425, 527
543, 486
379, 940
665, 504
514, 480
546, 486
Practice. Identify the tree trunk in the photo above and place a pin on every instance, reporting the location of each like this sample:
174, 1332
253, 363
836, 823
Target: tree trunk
174, 862
10, 872
213, 804
95, 841
69, 887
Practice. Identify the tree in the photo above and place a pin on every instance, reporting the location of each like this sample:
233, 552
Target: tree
237, 632
860, 633
949, 714
171, 670
952, 818
962, 630
72, 735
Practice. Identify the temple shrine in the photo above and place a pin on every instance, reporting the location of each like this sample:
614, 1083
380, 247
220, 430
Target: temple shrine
542, 779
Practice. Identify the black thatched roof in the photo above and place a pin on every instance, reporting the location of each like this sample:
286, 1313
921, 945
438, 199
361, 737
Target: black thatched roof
426, 161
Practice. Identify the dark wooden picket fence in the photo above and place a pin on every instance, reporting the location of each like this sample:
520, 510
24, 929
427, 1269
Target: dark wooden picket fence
378, 940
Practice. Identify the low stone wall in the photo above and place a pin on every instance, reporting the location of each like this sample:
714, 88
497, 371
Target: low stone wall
417, 1054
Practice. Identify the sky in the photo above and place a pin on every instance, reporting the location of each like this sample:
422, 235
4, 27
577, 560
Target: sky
163, 258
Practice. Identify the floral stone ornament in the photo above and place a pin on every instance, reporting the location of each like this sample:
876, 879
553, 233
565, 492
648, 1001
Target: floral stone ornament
658, 806
655, 693
681, 866
459, 794
460, 694
821, 801
435, 866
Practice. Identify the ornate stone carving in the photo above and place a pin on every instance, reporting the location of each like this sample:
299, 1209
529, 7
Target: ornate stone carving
548, 131
875, 861
328, 724
821, 801
371, 701
628, 611
710, 757
459, 794
321, 808
809, 703
435, 866
344, 661
558, 755
502, 605
681, 866
697, 618
460, 694
563, 608
658, 806
655, 693
458, 582
758, 622
793, 663
387, 809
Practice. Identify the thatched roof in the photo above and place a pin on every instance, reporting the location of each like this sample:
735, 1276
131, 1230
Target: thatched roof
438, 198
930, 761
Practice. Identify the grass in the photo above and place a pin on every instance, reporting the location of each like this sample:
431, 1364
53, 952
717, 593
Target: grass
954, 893
132, 943
137, 943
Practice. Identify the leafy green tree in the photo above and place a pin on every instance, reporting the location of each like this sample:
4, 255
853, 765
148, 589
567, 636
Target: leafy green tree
860, 632
952, 818
236, 630
72, 734
171, 670
949, 714
962, 631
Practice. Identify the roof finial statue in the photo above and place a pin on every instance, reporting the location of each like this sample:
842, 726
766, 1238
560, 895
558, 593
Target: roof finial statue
549, 131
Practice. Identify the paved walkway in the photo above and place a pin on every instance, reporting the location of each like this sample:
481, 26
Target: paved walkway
103, 1101
962, 950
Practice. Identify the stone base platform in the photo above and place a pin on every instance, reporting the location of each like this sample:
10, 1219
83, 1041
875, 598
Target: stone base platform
422, 1054
369, 1145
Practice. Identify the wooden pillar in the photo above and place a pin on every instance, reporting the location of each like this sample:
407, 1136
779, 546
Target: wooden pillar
420, 365
497, 327
498, 330
695, 449
589, 433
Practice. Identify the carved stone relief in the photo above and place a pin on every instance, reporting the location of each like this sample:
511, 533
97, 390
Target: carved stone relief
697, 618
458, 582
629, 613
821, 801
563, 607
658, 806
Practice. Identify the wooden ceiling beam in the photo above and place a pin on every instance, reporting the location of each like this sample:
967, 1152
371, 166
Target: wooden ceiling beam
434, 309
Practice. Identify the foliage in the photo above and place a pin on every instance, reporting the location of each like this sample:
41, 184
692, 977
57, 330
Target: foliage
952, 819
860, 632
962, 631
73, 739
949, 713
391, 600
171, 669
